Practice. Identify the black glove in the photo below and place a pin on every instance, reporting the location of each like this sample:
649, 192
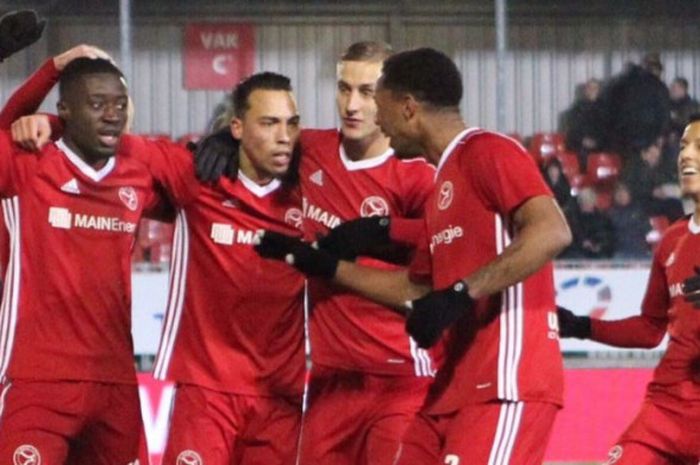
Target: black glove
216, 155
302, 256
430, 315
363, 236
19, 29
571, 325
691, 288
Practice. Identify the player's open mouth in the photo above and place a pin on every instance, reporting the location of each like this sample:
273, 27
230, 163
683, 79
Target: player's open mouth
108, 138
689, 171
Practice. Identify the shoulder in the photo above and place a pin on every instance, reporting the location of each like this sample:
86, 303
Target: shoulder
314, 137
671, 236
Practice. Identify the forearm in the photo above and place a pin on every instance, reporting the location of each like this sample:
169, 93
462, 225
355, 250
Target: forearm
634, 332
27, 99
390, 288
543, 235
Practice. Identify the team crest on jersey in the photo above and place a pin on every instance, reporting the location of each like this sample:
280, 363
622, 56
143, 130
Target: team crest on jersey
614, 455
26, 455
189, 457
129, 197
445, 195
374, 206
294, 217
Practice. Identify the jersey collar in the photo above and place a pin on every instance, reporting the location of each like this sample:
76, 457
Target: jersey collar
255, 188
451, 146
352, 165
693, 225
87, 170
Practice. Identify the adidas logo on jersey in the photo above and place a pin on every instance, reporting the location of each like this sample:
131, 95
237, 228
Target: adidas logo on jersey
230, 203
71, 187
317, 177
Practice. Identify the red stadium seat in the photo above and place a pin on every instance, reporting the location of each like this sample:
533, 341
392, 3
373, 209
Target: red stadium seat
603, 168
569, 164
545, 146
659, 224
154, 238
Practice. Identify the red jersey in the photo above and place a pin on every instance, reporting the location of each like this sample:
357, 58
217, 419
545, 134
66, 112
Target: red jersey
510, 349
346, 330
66, 309
234, 321
677, 377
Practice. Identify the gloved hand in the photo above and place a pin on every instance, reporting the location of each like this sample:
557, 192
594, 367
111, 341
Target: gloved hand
302, 256
430, 315
571, 325
216, 155
362, 236
19, 29
691, 289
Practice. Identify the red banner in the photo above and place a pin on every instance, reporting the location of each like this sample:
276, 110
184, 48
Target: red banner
218, 55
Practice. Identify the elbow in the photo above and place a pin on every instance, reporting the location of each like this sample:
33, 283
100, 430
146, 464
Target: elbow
653, 339
559, 239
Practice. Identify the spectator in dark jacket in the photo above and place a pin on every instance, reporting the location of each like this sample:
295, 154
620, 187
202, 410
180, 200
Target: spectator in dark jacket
637, 107
682, 106
584, 122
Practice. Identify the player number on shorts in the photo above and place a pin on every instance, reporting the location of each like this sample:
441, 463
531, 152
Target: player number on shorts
451, 459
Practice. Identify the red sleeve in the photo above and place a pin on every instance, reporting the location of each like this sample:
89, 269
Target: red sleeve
171, 165
27, 99
645, 330
12, 161
504, 174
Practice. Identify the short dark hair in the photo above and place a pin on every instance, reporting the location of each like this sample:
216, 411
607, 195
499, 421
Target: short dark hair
693, 118
368, 50
682, 81
259, 81
81, 67
427, 74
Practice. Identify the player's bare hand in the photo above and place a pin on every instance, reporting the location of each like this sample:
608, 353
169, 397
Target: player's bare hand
691, 288
31, 132
80, 51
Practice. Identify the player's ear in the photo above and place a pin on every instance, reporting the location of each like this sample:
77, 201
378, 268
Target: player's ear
410, 107
236, 128
62, 109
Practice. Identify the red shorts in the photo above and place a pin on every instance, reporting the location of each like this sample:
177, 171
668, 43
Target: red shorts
659, 436
69, 422
496, 433
357, 418
217, 428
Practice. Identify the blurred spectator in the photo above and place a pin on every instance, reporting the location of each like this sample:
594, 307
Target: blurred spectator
631, 225
651, 174
584, 122
682, 106
636, 105
594, 234
555, 179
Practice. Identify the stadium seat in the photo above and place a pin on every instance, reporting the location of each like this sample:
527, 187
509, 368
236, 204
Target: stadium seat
569, 164
603, 168
154, 238
545, 146
659, 224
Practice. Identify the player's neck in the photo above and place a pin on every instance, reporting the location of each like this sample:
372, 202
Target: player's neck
439, 131
369, 147
96, 163
259, 177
